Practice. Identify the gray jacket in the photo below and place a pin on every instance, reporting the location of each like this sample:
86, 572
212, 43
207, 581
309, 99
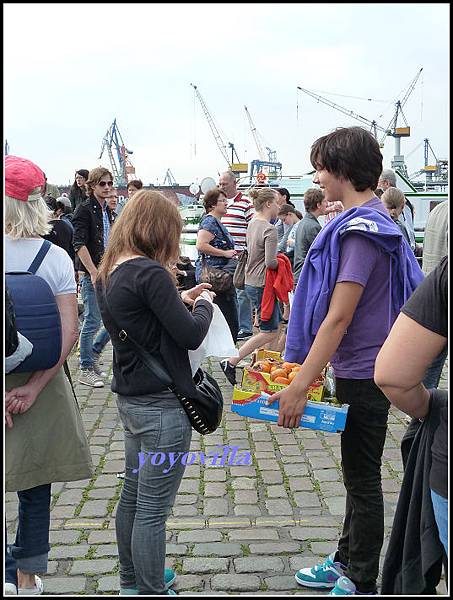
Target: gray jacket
307, 230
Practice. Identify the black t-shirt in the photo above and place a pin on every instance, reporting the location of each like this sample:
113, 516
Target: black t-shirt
61, 235
145, 303
428, 306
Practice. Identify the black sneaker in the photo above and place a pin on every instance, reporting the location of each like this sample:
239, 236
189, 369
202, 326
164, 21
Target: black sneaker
229, 370
244, 335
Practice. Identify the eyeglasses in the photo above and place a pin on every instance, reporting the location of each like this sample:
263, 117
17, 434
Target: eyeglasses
104, 183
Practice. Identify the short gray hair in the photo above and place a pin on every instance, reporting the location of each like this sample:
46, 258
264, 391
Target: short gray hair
389, 176
231, 175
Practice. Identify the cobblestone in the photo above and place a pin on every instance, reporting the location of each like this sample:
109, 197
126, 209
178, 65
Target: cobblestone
234, 529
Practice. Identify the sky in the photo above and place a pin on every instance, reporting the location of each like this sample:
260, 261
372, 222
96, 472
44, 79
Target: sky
71, 69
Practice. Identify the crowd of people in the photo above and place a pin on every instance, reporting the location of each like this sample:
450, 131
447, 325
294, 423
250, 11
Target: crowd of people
339, 284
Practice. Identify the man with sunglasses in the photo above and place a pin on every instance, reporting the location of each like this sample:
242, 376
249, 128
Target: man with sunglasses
92, 221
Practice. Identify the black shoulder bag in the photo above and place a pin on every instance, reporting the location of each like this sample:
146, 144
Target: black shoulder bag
204, 411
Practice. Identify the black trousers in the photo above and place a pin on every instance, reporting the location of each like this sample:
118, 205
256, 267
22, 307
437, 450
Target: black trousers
227, 304
362, 445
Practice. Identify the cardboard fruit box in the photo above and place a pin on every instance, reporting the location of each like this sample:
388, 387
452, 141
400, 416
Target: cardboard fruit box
317, 415
257, 381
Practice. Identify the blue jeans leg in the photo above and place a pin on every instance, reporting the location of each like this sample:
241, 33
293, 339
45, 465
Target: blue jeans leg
31, 547
440, 507
244, 311
91, 323
432, 376
101, 341
148, 496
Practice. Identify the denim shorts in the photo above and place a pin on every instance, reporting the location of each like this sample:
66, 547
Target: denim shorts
256, 294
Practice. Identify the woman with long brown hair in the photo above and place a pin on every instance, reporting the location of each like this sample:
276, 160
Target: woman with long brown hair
136, 292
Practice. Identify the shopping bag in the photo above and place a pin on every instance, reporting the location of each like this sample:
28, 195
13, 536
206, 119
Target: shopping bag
218, 342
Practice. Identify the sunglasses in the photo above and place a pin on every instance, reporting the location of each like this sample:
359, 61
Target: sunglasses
104, 183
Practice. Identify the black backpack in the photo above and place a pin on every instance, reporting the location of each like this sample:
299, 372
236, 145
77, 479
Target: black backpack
11, 340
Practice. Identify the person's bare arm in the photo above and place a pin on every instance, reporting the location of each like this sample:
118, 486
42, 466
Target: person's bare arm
203, 245
402, 362
344, 301
20, 399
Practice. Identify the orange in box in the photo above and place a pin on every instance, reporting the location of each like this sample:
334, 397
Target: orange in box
255, 381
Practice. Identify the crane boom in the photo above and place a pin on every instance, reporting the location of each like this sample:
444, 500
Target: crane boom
373, 125
218, 138
392, 127
255, 136
124, 168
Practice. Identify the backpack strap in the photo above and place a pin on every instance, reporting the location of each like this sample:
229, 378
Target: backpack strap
46, 245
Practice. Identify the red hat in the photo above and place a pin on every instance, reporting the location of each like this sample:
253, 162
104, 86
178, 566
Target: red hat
21, 177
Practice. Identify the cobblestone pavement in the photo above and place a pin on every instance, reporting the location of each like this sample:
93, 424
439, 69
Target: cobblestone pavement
243, 529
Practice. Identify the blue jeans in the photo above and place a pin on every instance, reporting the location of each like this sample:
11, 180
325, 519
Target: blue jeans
101, 341
440, 507
432, 375
31, 547
158, 424
91, 323
244, 311
256, 295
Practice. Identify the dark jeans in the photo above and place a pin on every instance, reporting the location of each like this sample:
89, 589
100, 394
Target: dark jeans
432, 375
362, 445
10, 564
31, 547
227, 304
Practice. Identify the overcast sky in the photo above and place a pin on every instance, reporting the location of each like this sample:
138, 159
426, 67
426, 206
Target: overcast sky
70, 69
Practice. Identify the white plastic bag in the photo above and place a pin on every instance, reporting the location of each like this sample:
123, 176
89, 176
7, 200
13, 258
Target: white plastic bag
218, 342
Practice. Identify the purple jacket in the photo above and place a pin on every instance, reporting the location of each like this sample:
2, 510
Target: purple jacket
319, 273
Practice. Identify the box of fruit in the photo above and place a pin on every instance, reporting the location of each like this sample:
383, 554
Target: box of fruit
317, 415
270, 373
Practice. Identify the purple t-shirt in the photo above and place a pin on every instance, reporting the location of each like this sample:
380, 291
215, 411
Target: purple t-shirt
364, 262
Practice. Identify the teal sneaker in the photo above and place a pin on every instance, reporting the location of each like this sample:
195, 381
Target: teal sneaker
321, 576
343, 587
169, 576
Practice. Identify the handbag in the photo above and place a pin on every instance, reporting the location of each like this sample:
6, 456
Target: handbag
220, 278
239, 274
204, 411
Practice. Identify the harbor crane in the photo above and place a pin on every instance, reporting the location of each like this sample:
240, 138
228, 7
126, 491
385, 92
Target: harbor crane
274, 167
237, 166
374, 127
123, 170
399, 132
169, 177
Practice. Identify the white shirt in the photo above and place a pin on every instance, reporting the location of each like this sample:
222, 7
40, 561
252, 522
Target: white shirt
56, 268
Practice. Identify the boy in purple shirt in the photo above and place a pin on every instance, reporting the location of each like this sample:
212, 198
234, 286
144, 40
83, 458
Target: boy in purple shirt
355, 278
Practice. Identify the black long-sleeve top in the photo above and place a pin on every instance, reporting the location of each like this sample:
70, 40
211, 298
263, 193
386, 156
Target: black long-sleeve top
145, 303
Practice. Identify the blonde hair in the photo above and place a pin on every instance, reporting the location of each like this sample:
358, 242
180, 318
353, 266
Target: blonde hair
149, 225
27, 219
393, 199
262, 195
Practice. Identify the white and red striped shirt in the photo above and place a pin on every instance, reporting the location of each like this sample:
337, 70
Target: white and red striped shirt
239, 213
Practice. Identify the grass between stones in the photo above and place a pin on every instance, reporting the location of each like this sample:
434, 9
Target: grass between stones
245, 550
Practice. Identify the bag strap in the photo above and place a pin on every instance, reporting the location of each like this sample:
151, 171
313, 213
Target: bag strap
46, 245
147, 359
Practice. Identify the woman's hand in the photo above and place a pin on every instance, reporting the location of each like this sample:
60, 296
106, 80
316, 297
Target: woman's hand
21, 399
230, 254
8, 419
292, 404
205, 295
189, 296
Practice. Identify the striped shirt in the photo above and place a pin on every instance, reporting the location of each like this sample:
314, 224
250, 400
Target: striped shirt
334, 208
106, 223
239, 213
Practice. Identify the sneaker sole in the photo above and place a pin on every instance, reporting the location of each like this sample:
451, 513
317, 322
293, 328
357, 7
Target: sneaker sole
314, 584
97, 385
